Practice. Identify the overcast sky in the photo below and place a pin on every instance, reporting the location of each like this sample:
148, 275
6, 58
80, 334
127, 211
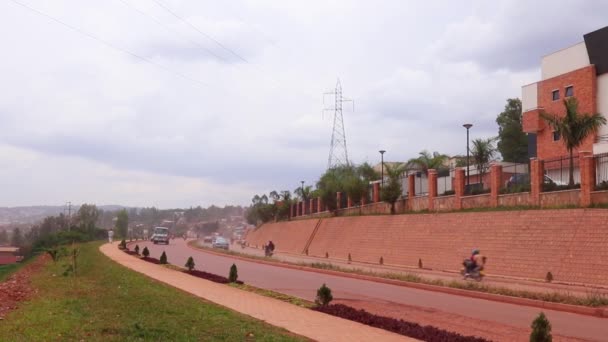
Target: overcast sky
174, 103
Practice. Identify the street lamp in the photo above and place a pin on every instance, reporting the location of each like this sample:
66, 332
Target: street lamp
382, 165
467, 126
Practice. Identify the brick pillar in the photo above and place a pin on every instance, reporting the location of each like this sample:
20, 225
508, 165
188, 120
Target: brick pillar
432, 188
495, 180
364, 198
339, 199
376, 192
587, 165
292, 210
297, 208
313, 208
319, 205
536, 180
349, 201
458, 187
411, 190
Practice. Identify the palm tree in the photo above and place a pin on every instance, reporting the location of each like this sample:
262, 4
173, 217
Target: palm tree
574, 128
392, 191
427, 161
482, 152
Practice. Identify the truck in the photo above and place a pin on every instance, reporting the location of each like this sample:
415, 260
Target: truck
160, 235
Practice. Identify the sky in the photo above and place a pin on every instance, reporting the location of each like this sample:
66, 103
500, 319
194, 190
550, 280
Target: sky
173, 103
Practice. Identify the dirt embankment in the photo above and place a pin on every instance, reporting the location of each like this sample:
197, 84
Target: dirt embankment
17, 287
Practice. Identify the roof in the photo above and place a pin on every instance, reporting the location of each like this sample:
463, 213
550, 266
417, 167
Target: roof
9, 249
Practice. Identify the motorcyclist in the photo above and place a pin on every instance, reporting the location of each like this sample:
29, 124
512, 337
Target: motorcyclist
271, 246
471, 263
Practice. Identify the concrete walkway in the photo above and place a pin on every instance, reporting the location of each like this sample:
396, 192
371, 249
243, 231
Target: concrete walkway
304, 322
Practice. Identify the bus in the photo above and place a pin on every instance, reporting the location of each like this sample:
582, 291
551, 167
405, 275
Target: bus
161, 235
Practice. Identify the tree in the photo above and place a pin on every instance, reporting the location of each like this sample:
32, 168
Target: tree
512, 141
541, 329
482, 152
392, 191
574, 128
122, 223
190, 264
3, 237
87, 217
17, 238
426, 161
350, 180
324, 296
233, 275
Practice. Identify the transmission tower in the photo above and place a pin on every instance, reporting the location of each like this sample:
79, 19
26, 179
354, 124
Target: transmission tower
338, 154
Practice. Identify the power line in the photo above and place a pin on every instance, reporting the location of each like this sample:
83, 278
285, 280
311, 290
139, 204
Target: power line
108, 44
158, 22
200, 31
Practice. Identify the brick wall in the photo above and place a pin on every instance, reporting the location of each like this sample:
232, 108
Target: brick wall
419, 203
445, 203
290, 237
571, 243
598, 197
476, 201
560, 198
514, 200
584, 82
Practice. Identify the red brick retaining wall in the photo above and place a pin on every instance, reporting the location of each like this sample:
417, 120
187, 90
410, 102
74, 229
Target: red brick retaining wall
290, 237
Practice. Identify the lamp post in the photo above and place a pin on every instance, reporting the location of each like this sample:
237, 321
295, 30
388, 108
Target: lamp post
467, 126
382, 168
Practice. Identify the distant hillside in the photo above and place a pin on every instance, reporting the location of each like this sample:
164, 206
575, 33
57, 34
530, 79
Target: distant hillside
33, 214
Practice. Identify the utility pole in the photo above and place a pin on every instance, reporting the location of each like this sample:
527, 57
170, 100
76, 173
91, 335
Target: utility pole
338, 154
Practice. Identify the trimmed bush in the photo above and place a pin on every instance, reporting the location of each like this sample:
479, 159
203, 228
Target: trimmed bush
122, 244
381, 261
190, 264
145, 252
163, 258
419, 263
324, 296
137, 249
549, 277
233, 276
541, 329
350, 259
326, 255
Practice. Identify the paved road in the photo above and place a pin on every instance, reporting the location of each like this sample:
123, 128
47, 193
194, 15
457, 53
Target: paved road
304, 284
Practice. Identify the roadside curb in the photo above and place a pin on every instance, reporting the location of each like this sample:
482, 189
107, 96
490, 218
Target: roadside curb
576, 309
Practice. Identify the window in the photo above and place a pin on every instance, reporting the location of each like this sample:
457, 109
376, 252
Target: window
569, 91
556, 136
555, 95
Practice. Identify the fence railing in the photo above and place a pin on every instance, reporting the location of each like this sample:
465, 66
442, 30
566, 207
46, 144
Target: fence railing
601, 171
515, 177
557, 173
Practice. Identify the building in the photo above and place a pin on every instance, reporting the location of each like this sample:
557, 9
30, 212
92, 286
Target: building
9, 255
581, 71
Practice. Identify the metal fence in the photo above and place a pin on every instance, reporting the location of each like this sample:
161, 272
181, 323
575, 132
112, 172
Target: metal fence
557, 172
601, 171
515, 177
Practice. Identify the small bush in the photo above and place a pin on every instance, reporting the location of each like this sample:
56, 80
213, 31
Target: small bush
145, 252
190, 264
324, 296
122, 244
163, 258
448, 193
137, 249
541, 329
234, 274
419, 263
549, 277
326, 255
381, 261
54, 253
350, 259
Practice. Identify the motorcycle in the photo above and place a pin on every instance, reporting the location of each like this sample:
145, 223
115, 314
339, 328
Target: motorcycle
268, 251
473, 273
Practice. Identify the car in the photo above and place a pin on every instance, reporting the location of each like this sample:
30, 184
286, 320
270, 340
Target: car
220, 243
524, 179
161, 235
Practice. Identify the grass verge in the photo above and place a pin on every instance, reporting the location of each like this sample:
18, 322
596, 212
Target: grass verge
590, 299
108, 302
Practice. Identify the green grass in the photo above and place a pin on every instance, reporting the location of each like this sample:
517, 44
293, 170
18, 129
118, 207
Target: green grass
107, 302
7, 270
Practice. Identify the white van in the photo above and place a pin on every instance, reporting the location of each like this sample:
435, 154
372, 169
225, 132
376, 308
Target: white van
161, 235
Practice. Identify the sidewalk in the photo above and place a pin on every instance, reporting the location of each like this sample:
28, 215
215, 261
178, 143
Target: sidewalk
490, 280
304, 322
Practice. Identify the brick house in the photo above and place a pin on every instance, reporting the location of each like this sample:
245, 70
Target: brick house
581, 71
9, 255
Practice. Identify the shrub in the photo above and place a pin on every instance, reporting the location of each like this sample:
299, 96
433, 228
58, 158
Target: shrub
122, 244
163, 258
137, 249
419, 263
233, 275
326, 255
381, 261
212, 277
145, 252
541, 329
190, 264
549, 277
448, 193
350, 259
324, 296
54, 253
